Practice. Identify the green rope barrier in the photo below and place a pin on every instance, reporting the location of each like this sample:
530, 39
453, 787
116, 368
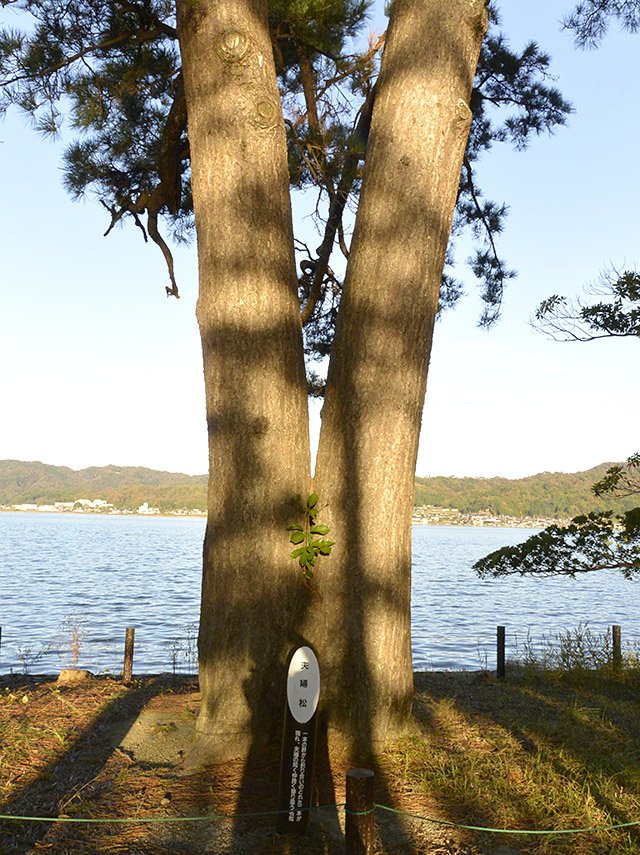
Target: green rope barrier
221, 816
358, 812
208, 818
510, 830
110, 819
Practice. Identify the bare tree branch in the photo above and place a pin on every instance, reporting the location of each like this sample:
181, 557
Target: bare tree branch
618, 316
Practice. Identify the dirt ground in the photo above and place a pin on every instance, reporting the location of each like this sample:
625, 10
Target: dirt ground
99, 749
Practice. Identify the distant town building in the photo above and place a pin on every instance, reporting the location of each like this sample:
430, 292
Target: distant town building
433, 515
145, 509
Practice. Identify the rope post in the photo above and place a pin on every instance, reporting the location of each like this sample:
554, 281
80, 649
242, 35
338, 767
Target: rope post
500, 670
127, 670
616, 638
359, 825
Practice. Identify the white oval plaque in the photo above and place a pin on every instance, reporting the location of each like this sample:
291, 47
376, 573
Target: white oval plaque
303, 684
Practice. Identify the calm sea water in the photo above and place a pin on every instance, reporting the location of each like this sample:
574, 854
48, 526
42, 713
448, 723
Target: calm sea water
119, 571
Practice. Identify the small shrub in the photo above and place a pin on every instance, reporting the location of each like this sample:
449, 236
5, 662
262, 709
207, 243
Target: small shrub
575, 650
184, 649
74, 629
29, 657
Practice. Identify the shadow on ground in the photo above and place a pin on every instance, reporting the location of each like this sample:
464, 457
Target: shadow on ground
71, 775
562, 749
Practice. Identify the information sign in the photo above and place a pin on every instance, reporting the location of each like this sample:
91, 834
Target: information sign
298, 741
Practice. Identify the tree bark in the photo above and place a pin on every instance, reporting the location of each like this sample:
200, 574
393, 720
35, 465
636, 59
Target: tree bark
377, 377
252, 598
254, 606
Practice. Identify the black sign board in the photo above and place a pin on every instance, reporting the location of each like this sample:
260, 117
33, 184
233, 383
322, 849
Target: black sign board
298, 741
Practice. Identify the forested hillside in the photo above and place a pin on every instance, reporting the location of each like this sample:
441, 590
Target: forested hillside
122, 486
549, 494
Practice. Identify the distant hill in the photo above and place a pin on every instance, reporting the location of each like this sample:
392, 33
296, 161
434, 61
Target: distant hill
549, 494
123, 486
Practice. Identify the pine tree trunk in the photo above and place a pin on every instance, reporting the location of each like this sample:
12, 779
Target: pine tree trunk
377, 377
252, 598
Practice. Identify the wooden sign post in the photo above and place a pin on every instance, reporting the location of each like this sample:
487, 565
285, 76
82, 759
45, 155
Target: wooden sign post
298, 741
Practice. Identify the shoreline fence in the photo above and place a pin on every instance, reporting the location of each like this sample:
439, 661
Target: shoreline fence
579, 647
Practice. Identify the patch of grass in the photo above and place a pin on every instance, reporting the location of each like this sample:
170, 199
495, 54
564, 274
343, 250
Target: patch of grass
578, 651
169, 727
543, 750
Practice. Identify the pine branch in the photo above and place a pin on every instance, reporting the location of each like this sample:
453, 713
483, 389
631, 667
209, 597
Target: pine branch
65, 63
336, 209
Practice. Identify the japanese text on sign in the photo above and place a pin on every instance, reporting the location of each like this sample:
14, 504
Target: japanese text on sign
303, 685
298, 776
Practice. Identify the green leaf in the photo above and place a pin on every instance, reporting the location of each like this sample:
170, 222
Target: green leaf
320, 529
311, 546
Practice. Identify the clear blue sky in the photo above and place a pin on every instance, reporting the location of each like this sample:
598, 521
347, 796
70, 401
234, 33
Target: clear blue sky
98, 367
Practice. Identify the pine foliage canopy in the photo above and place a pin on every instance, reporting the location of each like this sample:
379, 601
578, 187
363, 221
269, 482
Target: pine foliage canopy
113, 70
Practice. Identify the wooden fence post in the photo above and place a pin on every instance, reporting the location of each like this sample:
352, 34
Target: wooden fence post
500, 670
359, 824
127, 670
617, 646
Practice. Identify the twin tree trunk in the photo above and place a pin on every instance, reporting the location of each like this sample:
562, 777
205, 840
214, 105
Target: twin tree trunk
254, 605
